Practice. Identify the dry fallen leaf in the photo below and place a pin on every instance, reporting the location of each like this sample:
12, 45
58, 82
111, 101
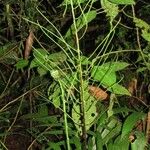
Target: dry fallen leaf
132, 87
98, 93
28, 45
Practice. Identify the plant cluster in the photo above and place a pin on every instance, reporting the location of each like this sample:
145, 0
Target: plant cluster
74, 74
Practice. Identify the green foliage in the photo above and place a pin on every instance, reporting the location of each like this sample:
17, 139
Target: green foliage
21, 63
130, 122
106, 75
144, 27
52, 87
110, 9
140, 142
124, 2
80, 23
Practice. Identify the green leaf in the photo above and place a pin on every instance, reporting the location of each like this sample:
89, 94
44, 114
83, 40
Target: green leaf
41, 59
33, 64
131, 121
58, 57
107, 76
145, 27
99, 141
119, 144
119, 89
21, 64
104, 75
42, 71
55, 74
76, 141
110, 9
89, 107
70, 80
114, 66
54, 94
124, 2
114, 128
140, 142
81, 22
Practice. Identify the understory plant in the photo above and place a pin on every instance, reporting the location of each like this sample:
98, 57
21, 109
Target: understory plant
85, 88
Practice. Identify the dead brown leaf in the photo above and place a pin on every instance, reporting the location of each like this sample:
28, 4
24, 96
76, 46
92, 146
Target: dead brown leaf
28, 45
98, 93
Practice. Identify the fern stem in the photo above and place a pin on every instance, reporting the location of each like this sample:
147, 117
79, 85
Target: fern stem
80, 75
65, 115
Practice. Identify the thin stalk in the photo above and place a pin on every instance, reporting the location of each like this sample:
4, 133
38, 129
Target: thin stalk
79, 70
65, 115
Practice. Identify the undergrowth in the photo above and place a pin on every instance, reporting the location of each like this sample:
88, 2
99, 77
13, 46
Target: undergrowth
74, 75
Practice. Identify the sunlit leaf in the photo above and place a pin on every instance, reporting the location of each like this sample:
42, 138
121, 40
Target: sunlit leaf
21, 64
119, 89
104, 75
110, 9
81, 22
114, 66
131, 121
145, 27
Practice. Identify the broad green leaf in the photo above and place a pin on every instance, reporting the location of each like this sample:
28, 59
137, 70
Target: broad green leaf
140, 143
41, 60
110, 9
90, 143
21, 64
119, 89
124, 2
119, 144
90, 115
39, 52
89, 107
57, 57
104, 75
114, 66
131, 121
75, 2
81, 22
41, 56
53, 146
